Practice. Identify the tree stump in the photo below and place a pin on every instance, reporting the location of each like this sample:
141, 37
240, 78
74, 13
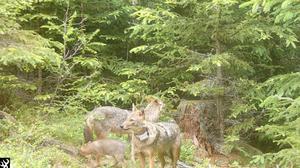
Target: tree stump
198, 120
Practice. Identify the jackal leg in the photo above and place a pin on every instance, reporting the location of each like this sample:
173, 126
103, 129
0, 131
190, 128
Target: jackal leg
98, 158
115, 161
132, 149
175, 151
119, 161
100, 132
151, 160
142, 160
92, 164
162, 160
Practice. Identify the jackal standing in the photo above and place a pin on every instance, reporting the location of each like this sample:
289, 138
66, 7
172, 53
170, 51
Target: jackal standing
152, 139
102, 147
106, 119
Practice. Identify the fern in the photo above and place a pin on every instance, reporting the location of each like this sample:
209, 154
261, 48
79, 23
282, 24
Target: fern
279, 109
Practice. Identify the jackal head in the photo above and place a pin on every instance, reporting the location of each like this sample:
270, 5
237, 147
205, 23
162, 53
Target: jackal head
154, 102
134, 120
85, 149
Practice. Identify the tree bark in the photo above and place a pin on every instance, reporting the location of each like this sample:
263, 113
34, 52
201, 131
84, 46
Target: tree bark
40, 81
4, 115
198, 121
181, 164
219, 76
69, 149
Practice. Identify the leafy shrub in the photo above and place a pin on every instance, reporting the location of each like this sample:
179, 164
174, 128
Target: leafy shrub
26, 155
187, 151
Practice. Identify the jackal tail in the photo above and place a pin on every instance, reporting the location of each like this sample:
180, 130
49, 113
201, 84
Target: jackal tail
87, 133
88, 129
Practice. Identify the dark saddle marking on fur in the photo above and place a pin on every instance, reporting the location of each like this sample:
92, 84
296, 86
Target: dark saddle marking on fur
146, 137
167, 131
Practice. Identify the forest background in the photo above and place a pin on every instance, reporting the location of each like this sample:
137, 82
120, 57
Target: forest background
60, 59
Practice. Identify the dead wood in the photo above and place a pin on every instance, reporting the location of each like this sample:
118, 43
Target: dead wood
69, 149
198, 121
9, 118
181, 164
4, 115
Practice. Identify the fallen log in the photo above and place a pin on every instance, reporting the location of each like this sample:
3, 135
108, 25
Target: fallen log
10, 119
4, 115
181, 164
69, 149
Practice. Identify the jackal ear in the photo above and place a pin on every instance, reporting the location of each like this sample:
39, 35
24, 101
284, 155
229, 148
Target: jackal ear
149, 99
142, 113
133, 107
159, 103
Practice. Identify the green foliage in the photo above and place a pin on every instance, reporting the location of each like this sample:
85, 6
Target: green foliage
284, 12
89, 63
28, 51
188, 150
24, 155
278, 104
63, 58
24, 147
22, 51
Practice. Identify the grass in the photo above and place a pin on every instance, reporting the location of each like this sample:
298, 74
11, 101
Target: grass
32, 127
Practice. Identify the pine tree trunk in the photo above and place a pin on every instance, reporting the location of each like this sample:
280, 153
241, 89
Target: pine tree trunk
219, 102
40, 81
219, 75
219, 98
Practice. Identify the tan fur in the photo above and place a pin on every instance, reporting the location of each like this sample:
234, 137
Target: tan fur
151, 139
153, 109
103, 120
102, 147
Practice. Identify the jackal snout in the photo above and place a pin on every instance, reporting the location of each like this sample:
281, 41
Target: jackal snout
134, 119
84, 149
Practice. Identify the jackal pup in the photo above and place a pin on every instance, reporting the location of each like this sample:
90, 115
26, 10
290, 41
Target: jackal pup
102, 147
152, 139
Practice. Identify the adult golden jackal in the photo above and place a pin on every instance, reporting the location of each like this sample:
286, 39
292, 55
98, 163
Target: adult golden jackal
103, 120
150, 139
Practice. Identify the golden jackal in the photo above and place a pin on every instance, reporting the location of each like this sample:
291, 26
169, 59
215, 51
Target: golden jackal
102, 147
152, 139
104, 120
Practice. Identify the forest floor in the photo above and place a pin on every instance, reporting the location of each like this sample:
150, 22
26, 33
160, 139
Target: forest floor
22, 142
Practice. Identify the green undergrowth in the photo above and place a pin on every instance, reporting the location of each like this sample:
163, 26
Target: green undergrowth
21, 141
27, 155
